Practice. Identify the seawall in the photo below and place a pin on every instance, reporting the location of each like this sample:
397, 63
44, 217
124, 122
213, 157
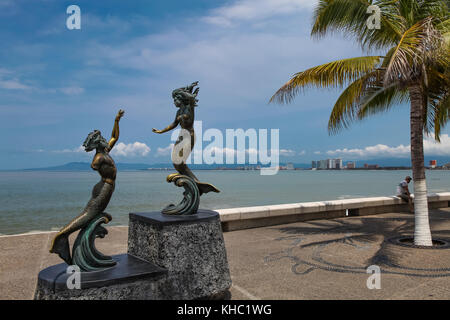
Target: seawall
259, 216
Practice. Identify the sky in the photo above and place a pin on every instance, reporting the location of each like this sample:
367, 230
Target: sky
57, 85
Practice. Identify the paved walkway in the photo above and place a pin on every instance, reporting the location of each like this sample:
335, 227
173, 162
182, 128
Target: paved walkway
322, 259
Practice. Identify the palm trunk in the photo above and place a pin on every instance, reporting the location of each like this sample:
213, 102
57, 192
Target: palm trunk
422, 233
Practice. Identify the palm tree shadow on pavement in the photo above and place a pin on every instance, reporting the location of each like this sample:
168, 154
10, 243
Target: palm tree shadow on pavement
352, 244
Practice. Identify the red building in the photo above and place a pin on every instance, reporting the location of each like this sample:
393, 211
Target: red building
433, 163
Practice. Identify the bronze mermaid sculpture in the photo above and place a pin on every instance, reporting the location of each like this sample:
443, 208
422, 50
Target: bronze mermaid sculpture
93, 214
185, 99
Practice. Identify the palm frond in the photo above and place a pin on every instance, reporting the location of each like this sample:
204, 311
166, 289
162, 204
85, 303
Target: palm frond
347, 105
416, 35
437, 99
414, 48
332, 15
441, 115
333, 74
382, 99
351, 17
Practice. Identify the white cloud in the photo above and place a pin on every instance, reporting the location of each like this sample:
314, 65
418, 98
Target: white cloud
221, 152
248, 10
216, 151
248, 154
161, 152
72, 90
9, 82
74, 150
431, 147
302, 153
136, 149
379, 150
13, 84
287, 153
240, 153
243, 66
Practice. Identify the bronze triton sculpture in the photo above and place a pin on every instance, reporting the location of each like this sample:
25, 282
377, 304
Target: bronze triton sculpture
84, 253
185, 99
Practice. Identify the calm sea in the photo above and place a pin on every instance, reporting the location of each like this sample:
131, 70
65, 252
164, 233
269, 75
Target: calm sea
41, 201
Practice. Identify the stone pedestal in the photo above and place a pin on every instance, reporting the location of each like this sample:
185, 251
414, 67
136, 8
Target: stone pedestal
190, 248
131, 278
169, 257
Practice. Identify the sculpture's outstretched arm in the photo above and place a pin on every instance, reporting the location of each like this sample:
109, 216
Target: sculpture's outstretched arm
115, 132
171, 126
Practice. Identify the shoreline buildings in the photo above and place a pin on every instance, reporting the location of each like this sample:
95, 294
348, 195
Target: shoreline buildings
351, 165
328, 164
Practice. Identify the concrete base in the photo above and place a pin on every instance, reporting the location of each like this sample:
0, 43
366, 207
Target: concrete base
169, 257
190, 248
131, 278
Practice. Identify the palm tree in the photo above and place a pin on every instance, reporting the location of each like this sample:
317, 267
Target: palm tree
415, 36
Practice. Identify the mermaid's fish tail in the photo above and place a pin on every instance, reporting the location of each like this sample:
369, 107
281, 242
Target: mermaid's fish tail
60, 245
101, 194
203, 187
206, 187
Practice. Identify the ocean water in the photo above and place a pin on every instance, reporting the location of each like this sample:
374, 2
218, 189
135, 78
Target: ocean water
42, 201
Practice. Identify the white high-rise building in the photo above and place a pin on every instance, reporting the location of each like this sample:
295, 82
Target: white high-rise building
322, 164
330, 164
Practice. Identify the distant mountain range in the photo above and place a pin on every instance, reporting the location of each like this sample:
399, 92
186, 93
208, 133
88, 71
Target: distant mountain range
86, 166
382, 162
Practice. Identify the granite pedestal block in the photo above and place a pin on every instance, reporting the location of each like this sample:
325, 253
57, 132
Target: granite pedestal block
131, 278
190, 248
169, 257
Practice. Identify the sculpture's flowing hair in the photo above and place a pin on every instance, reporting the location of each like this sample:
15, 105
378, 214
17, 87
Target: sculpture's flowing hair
188, 96
95, 139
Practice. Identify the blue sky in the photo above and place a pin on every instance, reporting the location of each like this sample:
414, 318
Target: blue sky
57, 85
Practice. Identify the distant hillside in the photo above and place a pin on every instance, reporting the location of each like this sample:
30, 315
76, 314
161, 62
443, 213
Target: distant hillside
382, 162
72, 166
86, 166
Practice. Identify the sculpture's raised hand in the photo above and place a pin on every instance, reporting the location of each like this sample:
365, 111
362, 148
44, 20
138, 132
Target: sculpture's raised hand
120, 114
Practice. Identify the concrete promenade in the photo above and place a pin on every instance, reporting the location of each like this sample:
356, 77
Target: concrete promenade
319, 259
